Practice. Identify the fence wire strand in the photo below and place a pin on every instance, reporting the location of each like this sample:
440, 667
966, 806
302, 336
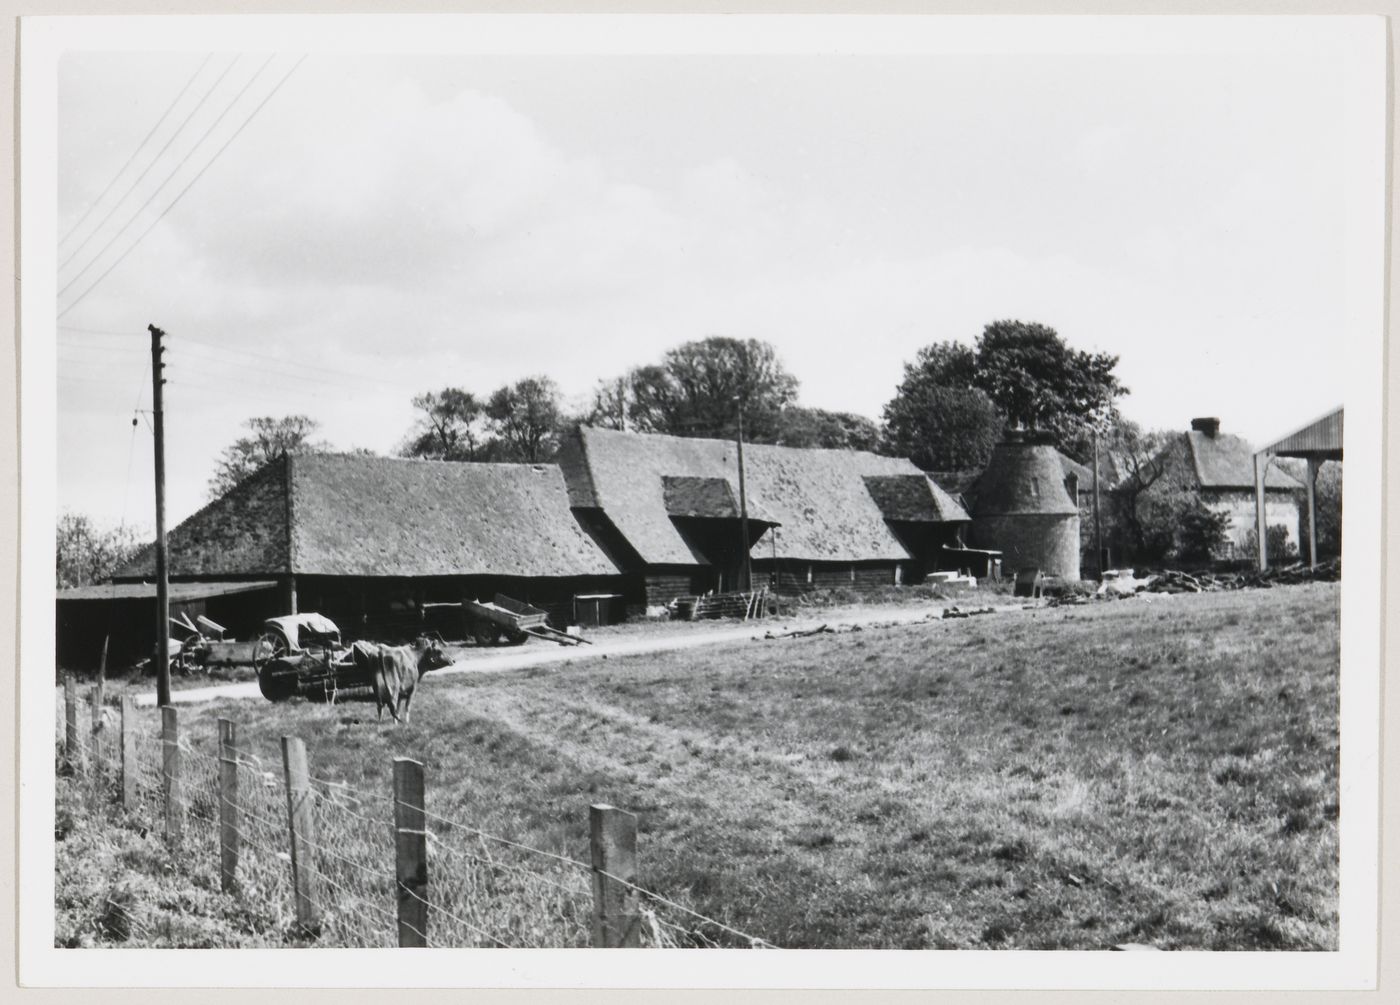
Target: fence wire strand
484, 888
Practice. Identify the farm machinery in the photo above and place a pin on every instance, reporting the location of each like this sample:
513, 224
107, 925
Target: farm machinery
504, 620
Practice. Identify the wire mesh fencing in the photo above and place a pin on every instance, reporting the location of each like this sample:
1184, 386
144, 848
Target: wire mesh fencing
337, 865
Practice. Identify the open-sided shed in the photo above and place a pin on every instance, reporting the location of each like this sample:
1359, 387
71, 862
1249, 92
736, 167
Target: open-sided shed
1316, 442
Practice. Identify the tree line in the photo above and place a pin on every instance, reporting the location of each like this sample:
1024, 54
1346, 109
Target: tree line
948, 411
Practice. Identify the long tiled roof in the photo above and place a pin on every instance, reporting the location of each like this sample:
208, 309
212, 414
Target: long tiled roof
821, 498
352, 515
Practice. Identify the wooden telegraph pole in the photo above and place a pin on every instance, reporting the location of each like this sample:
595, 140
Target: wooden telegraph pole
162, 653
744, 507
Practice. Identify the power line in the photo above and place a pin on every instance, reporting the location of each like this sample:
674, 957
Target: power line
139, 147
147, 170
168, 178
192, 183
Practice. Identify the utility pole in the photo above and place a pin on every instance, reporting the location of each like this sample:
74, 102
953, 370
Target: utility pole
1098, 527
162, 653
744, 506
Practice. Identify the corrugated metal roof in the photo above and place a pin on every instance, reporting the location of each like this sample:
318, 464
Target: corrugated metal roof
1319, 438
147, 591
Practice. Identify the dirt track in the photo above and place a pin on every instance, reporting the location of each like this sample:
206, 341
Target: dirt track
536, 654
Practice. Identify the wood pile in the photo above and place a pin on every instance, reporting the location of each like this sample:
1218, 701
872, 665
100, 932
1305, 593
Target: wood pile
1173, 581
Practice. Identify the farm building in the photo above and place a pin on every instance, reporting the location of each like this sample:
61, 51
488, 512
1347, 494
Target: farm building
1026, 506
1219, 468
368, 540
125, 614
666, 509
1316, 443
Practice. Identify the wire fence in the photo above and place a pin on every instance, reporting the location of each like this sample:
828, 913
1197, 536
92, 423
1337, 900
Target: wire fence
344, 870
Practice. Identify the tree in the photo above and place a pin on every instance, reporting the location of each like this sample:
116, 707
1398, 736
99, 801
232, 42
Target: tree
271, 438
612, 400
1139, 521
1029, 375
451, 427
799, 426
699, 388
1039, 382
86, 554
527, 417
1200, 532
940, 427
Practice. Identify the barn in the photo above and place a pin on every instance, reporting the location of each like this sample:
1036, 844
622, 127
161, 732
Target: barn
368, 541
666, 509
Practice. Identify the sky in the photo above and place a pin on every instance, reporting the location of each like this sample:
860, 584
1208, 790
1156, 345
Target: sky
377, 226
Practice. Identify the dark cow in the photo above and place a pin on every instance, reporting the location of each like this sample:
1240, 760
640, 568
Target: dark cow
396, 673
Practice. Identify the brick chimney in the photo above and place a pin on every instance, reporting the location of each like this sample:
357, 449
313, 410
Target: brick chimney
1209, 426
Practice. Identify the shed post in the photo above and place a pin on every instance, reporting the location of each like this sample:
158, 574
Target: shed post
1313, 465
1261, 532
613, 845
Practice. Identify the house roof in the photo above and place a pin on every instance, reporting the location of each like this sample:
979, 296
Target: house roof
820, 497
1224, 461
352, 515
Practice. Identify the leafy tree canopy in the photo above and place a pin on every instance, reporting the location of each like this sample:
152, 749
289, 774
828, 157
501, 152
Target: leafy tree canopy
450, 427
799, 426
699, 388
270, 438
527, 418
87, 554
1029, 376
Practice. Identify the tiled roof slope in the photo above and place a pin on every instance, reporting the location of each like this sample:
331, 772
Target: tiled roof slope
354, 515
819, 497
242, 533
1224, 461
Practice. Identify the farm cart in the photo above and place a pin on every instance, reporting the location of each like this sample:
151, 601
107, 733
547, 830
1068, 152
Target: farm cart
301, 654
511, 620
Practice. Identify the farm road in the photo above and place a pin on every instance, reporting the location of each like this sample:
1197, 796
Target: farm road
541, 654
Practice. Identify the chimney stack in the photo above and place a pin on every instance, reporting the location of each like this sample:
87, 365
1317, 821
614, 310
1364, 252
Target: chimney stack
1209, 426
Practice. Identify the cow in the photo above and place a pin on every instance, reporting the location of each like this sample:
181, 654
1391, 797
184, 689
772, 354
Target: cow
396, 672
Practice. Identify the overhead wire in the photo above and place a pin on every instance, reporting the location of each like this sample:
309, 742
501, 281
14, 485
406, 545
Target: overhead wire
139, 147
185, 190
154, 161
168, 178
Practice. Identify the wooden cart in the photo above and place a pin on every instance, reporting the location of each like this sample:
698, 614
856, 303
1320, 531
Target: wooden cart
513, 621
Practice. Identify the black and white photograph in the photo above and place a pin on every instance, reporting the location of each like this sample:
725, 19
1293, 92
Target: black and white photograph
749, 484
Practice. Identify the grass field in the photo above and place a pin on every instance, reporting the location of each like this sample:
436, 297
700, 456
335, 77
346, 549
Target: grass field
1158, 772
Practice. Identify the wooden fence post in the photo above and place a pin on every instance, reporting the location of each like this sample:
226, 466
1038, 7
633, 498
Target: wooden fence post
170, 771
411, 852
130, 767
301, 823
95, 700
228, 806
70, 719
613, 844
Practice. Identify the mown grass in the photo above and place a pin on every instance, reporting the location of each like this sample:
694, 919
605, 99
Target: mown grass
1156, 771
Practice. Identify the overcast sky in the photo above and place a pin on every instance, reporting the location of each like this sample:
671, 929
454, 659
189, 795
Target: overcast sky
388, 225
